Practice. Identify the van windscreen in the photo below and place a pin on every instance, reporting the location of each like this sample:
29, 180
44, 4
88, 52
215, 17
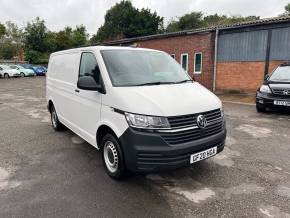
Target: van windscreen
141, 67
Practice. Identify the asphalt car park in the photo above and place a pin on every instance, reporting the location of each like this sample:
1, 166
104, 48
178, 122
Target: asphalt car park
44, 173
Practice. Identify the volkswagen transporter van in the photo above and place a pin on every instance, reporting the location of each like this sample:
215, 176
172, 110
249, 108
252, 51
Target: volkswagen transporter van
137, 106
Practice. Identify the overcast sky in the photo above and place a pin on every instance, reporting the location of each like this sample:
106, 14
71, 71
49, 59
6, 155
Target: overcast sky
60, 13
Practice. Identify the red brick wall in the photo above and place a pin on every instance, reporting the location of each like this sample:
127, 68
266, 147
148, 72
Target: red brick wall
239, 76
244, 76
189, 44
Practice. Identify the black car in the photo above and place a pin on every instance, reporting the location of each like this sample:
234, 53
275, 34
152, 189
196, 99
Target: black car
275, 92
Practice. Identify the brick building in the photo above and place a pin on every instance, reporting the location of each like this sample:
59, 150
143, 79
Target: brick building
225, 58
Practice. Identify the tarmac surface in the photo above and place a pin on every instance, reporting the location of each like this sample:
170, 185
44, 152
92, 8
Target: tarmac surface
44, 173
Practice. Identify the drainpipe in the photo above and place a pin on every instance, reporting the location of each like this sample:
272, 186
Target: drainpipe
215, 59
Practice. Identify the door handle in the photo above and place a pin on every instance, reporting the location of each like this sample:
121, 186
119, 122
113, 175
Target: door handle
76, 90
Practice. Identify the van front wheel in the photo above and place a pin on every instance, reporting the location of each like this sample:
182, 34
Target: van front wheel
113, 159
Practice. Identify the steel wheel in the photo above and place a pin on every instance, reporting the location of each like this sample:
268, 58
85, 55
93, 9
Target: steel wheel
111, 157
54, 119
56, 124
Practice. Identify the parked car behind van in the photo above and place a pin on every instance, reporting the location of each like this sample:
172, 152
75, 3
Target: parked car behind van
23, 71
138, 106
275, 92
37, 70
7, 72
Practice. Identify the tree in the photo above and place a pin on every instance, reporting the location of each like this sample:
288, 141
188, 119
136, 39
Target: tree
125, 21
2, 30
192, 20
195, 20
79, 36
7, 50
11, 40
63, 39
35, 35
35, 39
287, 10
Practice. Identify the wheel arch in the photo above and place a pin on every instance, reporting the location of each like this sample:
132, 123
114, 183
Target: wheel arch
102, 131
49, 105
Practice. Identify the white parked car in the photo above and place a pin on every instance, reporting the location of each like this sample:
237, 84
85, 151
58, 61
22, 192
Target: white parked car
7, 72
23, 71
138, 106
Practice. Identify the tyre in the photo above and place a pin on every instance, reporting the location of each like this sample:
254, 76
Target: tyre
260, 108
22, 74
113, 158
6, 75
56, 124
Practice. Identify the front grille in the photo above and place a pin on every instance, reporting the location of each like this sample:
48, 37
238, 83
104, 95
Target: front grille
215, 125
190, 120
281, 92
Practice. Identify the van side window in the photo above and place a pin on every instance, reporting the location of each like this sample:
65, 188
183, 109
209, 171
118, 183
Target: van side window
89, 66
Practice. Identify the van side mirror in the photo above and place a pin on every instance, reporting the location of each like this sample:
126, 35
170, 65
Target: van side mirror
89, 83
267, 77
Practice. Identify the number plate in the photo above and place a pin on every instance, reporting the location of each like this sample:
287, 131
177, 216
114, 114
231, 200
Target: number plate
203, 155
282, 103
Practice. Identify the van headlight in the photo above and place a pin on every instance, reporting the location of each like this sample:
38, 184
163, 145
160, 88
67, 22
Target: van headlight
265, 89
149, 122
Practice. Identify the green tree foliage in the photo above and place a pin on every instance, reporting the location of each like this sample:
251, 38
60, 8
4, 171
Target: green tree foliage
35, 36
2, 30
124, 20
39, 42
79, 36
7, 50
11, 40
192, 20
287, 10
195, 20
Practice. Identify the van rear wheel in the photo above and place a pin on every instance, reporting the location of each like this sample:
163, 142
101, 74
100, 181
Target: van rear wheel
113, 158
56, 124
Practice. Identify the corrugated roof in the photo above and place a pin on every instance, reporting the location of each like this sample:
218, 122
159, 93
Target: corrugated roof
202, 30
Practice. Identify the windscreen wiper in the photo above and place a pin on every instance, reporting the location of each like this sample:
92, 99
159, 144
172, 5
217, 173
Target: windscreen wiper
183, 81
154, 83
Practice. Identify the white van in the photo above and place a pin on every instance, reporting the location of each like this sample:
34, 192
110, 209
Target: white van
138, 106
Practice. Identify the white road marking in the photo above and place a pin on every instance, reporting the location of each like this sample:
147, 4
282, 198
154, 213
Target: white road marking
77, 140
5, 184
225, 157
244, 188
195, 196
272, 211
255, 131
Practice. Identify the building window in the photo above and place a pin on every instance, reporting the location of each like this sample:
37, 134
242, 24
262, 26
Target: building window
197, 63
184, 61
173, 56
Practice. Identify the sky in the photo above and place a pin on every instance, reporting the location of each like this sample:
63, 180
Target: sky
60, 13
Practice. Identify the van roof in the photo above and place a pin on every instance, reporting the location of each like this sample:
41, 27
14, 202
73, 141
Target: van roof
98, 48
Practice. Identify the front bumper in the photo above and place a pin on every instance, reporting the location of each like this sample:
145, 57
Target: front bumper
40, 73
148, 152
267, 100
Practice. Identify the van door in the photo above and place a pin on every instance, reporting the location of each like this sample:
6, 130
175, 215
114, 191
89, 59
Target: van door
88, 103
